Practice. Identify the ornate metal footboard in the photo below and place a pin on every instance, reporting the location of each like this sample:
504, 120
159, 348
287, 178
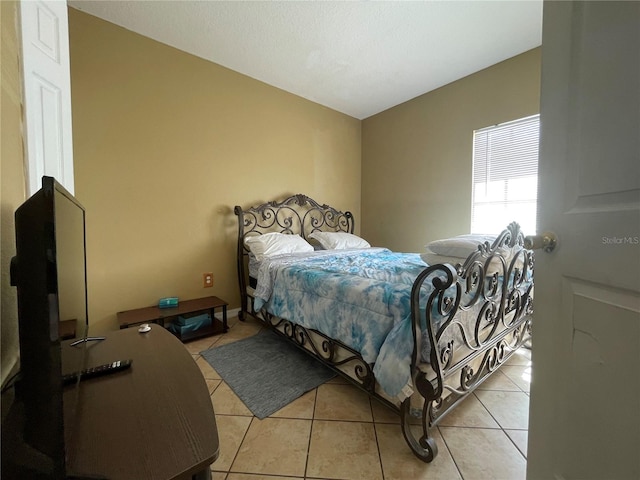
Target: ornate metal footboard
467, 319
493, 288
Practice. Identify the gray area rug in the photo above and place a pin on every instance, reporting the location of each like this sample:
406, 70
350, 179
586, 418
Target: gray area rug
266, 371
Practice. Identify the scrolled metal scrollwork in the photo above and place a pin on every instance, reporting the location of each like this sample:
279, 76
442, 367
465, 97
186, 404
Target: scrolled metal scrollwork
329, 351
424, 446
466, 377
488, 318
295, 215
497, 281
446, 355
495, 356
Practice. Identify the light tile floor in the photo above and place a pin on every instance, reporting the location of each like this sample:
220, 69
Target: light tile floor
338, 432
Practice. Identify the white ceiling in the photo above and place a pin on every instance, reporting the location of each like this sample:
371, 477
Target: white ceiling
357, 57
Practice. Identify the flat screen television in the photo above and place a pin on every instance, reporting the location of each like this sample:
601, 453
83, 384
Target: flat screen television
49, 271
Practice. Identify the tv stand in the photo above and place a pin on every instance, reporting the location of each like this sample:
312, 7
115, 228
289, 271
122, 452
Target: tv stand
109, 427
20, 460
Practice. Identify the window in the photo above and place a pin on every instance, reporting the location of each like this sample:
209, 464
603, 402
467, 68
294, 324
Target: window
505, 176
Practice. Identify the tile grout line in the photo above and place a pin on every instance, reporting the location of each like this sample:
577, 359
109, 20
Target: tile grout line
499, 425
453, 459
244, 436
375, 434
313, 419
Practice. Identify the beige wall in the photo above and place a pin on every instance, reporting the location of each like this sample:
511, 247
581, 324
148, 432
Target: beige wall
417, 156
12, 184
166, 144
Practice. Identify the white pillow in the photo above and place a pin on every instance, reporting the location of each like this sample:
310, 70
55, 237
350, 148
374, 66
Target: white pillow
339, 240
461, 246
275, 244
456, 250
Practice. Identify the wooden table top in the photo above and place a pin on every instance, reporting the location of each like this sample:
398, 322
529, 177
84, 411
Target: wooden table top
154, 420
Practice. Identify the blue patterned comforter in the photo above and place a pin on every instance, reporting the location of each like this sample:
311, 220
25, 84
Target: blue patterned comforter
360, 297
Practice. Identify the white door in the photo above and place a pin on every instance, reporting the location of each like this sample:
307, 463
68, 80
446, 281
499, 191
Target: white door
47, 92
585, 394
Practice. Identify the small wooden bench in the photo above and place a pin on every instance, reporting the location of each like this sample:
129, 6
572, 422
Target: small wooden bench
161, 316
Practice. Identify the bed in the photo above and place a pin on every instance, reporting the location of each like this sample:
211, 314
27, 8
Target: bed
417, 332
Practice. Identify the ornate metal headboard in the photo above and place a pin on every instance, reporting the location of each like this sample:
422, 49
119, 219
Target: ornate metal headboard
297, 215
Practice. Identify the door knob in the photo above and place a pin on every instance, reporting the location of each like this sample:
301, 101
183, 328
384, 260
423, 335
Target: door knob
547, 242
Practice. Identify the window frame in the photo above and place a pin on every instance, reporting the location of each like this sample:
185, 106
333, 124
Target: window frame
494, 150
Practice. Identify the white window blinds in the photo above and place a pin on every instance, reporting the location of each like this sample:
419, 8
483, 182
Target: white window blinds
505, 176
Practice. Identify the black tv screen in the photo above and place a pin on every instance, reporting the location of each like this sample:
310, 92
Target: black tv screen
49, 271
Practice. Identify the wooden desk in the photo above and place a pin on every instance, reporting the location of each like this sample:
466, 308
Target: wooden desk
152, 421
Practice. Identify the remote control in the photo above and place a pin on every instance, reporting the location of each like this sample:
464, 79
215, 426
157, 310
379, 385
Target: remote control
92, 372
